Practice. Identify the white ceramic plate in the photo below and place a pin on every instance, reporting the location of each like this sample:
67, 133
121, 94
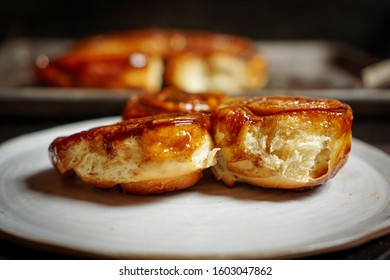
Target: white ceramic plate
208, 220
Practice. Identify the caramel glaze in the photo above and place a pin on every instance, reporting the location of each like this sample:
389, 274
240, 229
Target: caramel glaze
102, 71
162, 136
235, 113
171, 100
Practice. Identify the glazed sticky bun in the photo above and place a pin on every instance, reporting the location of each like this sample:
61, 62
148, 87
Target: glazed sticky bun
150, 59
281, 142
146, 155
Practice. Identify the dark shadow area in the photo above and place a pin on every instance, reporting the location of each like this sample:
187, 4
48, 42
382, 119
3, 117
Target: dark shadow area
51, 183
241, 191
362, 23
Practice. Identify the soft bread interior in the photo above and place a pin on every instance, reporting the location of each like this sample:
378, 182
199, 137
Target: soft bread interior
284, 155
148, 76
218, 72
228, 73
189, 73
129, 165
291, 153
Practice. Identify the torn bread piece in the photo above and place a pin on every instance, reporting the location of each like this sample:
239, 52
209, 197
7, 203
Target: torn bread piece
147, 155
281, 142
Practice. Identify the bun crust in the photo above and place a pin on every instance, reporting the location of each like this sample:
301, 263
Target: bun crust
281, 142
146, 59
144, 155
171, 100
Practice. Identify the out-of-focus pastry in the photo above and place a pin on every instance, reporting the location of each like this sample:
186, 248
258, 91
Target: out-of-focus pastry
281, 142
149, 59
232, 73
171, 100
144, 155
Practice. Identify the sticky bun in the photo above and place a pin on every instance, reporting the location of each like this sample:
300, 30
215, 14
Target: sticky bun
281, 142
143, 155
149, 59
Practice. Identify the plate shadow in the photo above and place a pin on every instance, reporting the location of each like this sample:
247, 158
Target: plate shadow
49, 182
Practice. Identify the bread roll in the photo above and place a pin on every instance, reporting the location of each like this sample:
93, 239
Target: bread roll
281, 142
149, 59
144, 155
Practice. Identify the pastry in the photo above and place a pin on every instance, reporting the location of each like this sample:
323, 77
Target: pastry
143, 155
150, 59
281, 142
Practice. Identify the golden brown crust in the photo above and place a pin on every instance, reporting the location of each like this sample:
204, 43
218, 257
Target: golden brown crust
159, 153
171, 100
163, 185
135, 59
282, 142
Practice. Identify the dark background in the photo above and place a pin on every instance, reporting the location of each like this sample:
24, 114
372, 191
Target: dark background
362, 23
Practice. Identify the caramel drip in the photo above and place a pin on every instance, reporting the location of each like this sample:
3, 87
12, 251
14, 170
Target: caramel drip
171, 100
130, 128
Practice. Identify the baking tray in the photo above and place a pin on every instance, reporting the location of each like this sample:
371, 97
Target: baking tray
309, 68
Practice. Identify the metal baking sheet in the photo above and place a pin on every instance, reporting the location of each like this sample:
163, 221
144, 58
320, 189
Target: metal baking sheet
310, 68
